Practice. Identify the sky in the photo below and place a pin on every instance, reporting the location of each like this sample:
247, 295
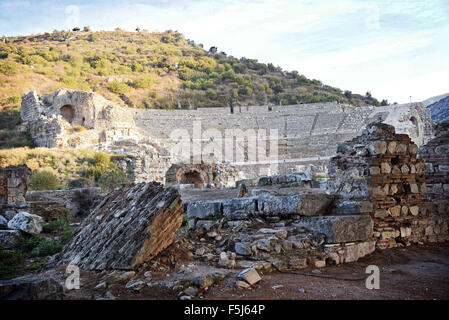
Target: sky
397, 49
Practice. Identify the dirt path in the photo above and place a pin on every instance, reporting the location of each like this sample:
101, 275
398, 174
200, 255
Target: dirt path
417, 272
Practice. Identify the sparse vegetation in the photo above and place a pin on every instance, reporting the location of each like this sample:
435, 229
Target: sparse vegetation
43, 180
72, 167
31, 251
162, 70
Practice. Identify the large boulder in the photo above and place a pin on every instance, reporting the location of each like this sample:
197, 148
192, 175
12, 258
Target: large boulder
27, 222
339, 229
128, 228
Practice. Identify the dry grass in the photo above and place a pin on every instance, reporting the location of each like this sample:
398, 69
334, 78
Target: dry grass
66, 164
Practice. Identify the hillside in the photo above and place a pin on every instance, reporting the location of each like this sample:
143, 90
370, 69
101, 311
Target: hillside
432, 100
151, 70
439, 111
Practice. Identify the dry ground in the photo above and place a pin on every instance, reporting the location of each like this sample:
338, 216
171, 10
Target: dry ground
416, 272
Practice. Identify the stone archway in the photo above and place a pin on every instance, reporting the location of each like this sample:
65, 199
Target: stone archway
192, 177
198, 175
68, 112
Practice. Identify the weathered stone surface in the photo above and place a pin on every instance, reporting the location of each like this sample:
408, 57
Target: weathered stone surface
280, 233
307, 204
31, 288
353, 207
27, 222
9, 238
349, 253
8, 214
14, 182
135, 285
250, 275
129, 227
3, 223
203, 209
338, 229
238, 208
243, 248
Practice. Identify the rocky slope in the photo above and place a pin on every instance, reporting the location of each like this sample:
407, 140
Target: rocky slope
439, 111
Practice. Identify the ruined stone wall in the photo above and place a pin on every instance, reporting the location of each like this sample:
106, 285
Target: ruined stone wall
378, 173
435, 155
14, 182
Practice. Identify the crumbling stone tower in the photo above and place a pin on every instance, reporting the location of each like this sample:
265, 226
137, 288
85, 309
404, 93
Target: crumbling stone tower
378, 173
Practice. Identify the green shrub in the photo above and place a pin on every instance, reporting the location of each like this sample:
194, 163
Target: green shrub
27, 244
44, 180
211, 94
93, 37
13, 100
62, 224
105, 173
46, 248
143, 83
9, 68
118, 87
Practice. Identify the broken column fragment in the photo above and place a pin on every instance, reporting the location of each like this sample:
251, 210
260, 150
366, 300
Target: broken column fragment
129, 227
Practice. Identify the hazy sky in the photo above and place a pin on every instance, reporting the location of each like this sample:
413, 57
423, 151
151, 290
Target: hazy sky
395, 49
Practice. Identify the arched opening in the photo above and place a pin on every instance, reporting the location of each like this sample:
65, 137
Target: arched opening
68, 112
192, 177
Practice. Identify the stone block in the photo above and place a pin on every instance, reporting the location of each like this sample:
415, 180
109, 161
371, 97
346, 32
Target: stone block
204, 209
239, 208
350, 207
250, 275
243, 248
339, 229
303, 204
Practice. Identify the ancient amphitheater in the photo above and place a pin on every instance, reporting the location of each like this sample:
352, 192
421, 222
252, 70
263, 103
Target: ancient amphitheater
344, 182
305, 136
